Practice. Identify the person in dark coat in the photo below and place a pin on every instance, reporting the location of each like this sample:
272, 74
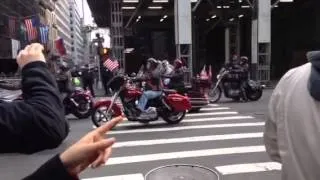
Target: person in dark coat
88, 78
177, 77
37, 122
92, 149
106, 75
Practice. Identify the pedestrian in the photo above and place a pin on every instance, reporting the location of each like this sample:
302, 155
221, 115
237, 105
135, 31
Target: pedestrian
88, 78
292, 131
92, 149
37, 122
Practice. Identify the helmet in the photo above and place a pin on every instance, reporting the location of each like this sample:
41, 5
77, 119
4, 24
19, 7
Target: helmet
177, 63
64, 66
151, 63
244, 58
165, 63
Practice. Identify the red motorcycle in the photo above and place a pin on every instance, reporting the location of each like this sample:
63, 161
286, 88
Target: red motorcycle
170, 106
79, 103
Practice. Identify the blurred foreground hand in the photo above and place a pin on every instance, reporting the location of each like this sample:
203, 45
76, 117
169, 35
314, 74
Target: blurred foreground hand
92, 149
29, 54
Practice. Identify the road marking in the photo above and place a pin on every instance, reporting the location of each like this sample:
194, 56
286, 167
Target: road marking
212, 114
248, 168
188, 139
159, 122
186, 128
213, 105
184, 154
214, 109
120, 177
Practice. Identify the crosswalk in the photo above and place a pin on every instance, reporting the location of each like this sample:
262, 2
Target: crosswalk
217, 137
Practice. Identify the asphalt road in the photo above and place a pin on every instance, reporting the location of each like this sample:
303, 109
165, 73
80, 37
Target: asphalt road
226, 137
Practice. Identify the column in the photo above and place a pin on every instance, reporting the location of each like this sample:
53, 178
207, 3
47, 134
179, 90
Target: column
116, 32
183, 33
227, 44
261, 40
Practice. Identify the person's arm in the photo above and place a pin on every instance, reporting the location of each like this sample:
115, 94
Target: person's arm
52, 170
270, 133
37, 122
92, 149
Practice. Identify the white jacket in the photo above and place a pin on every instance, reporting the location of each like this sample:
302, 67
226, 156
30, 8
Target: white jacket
292, 132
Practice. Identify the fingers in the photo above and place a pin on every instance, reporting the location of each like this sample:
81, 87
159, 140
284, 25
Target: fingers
99, 160
36, 48
101, 145
103, 158
106, 127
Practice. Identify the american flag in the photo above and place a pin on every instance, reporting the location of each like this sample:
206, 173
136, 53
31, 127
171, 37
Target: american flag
32, 25
12, 27
111, 65
44, 34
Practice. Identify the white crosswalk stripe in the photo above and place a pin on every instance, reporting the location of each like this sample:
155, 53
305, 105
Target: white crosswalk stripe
215, 132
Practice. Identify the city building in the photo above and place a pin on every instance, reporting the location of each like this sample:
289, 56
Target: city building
63, 25
77, 38
11, 39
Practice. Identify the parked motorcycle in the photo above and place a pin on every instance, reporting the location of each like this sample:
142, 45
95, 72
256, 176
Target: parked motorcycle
79, 103
170, 106
231, 87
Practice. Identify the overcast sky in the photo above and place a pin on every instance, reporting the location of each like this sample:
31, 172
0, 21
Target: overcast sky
88, 20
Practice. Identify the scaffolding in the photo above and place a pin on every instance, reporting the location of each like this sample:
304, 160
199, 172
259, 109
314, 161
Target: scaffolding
264, 60
234, 46
116, 32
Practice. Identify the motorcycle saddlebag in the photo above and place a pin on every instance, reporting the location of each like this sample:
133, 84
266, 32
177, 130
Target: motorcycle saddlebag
178, 102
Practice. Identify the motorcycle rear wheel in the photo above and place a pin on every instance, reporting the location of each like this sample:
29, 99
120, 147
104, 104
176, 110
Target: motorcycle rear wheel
173, 117
84, 110
255, 95
215, 95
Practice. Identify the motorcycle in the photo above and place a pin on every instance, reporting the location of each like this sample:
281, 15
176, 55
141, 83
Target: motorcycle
170, 106
197, 93
79, 103
231, 87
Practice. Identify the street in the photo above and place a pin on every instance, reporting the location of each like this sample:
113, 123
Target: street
226, 136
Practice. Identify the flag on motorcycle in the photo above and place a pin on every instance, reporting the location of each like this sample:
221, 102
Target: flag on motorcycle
210, 72
204, 74
111, 65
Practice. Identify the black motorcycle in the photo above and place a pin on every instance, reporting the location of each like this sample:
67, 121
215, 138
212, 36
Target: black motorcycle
228, 82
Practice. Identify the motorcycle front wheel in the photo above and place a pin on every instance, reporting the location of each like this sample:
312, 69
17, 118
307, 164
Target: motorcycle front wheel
215, 94
100, 116
173, 117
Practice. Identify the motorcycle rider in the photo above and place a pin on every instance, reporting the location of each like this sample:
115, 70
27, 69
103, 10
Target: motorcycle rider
240, 69
88, 78
166, 70
64, 78
152, 91
244, 66
177, 77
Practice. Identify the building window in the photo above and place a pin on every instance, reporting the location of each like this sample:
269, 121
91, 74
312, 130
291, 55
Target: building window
71, 29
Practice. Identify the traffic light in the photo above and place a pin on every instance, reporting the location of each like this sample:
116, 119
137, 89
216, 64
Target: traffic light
104, 51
